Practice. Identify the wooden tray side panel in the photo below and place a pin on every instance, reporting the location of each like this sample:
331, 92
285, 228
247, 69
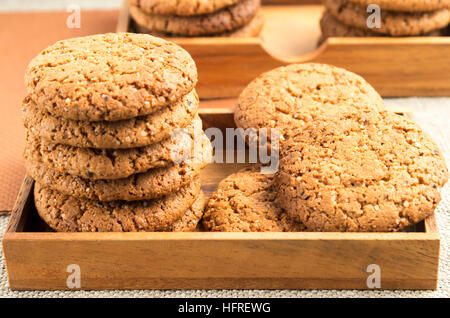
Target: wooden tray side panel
210, 260
395, 67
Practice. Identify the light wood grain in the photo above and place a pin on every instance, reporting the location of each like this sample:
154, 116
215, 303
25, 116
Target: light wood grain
415, 66
23, 203
220, 260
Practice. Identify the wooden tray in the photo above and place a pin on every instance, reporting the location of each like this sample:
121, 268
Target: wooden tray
37, 258
414, 66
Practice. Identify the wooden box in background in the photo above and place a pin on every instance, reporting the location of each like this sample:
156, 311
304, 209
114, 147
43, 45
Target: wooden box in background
412, 66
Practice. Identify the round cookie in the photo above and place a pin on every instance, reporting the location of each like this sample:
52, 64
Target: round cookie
290, 96
95, 164
69, 214
360, 171
128, 133
332, 27
181, 7
246, 202
190, 220
148, 185
110, 76
225, 20
392, 23
252, 29
406, 5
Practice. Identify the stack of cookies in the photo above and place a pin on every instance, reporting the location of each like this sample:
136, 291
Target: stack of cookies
346, 162
195, 18
114, 141
349, 18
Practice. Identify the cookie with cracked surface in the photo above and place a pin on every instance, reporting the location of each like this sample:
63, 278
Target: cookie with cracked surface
225, 20
128, 133
392, 23
246, 202
190, 220
181, 7
95, 164
110, 76
148, 185
252, 29
331, 27
292, 95
360, 171
406, 5
64, 213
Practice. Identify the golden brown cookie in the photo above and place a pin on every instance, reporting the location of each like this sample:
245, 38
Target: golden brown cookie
406, 5
64, 213
95, 164
148, 185
225, 20
110, 76
392, 23
246, 202
190, 220
252, 29
360, 171
181, 7
331, 27
128, 133
293, 95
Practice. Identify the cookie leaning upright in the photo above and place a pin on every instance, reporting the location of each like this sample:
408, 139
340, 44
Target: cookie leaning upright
246, 202
109, 76
124, 150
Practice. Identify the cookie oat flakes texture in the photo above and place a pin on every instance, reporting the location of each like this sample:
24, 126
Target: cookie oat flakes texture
246, 202
110, 76
95, 164
331, 27
182, 7
225, 20
406, 5
69, 214
354, 170
151, 184
128, 133
251, 29
290, 96
194, 18
392, 23
113, 137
